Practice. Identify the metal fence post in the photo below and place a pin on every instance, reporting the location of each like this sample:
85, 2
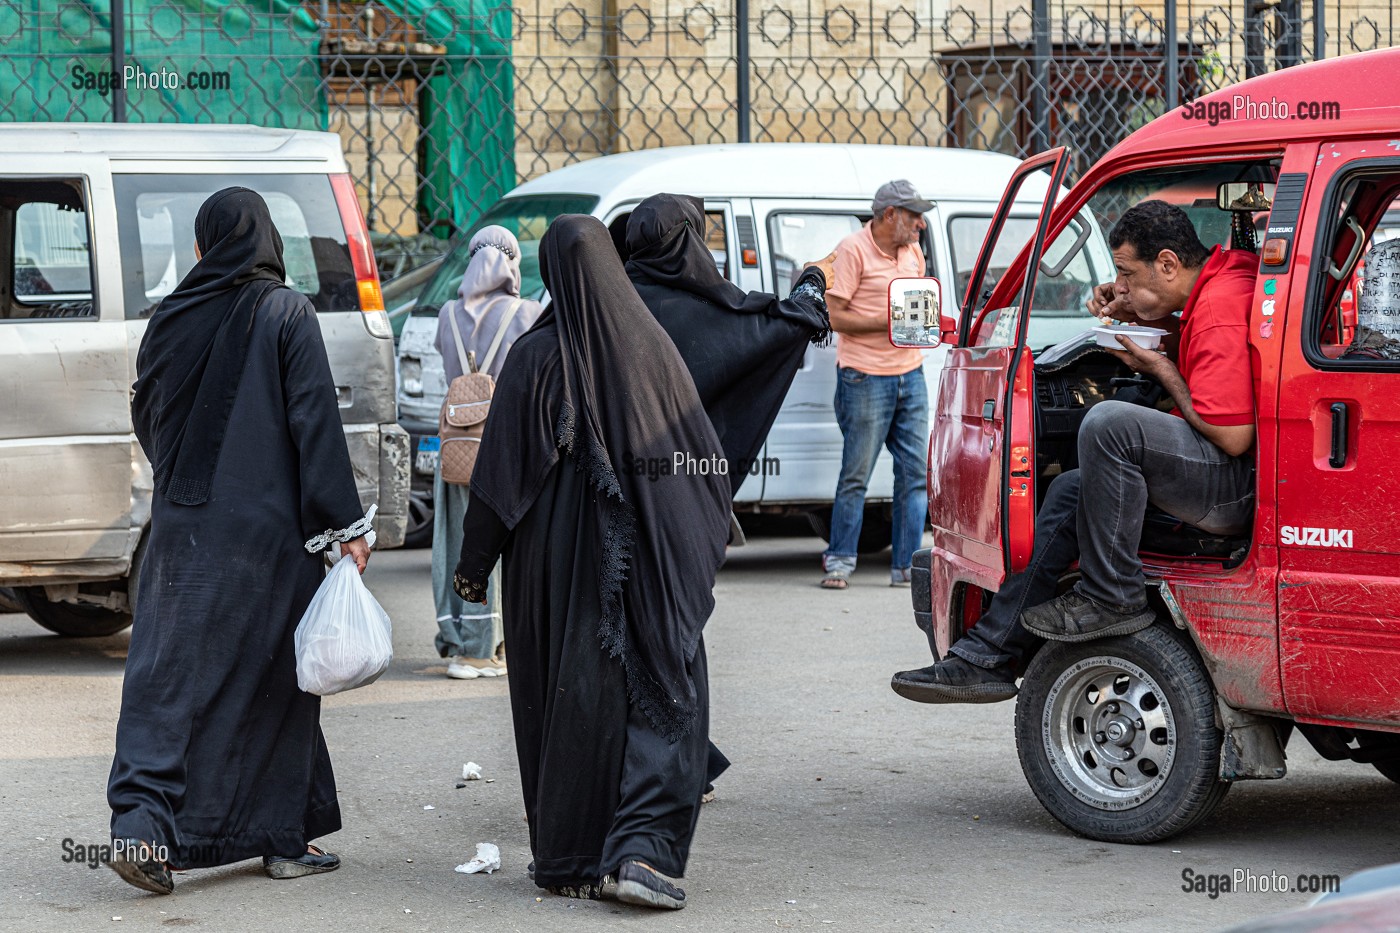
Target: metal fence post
1173, 56
1040, 76
1319, 30
743, 104
118, 32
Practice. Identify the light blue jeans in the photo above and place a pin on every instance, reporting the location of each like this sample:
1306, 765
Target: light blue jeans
465, 629
873, 411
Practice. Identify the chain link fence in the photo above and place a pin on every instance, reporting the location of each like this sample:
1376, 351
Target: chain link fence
445, 105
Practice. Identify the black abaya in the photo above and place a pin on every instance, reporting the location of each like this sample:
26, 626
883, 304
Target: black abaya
608, 575
219, 756
741, 348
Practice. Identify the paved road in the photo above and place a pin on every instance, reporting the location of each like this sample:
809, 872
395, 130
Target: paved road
847, 808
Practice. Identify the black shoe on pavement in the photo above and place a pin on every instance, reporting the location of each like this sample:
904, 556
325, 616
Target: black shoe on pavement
312, 862
136, 864
954, 680
583, 892
643, 885
1073, 617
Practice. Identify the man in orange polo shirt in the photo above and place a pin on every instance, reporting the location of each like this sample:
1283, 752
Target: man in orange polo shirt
881, 398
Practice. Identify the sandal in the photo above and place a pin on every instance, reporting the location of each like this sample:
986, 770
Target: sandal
136, 864
836, 580
585, 892
313, 862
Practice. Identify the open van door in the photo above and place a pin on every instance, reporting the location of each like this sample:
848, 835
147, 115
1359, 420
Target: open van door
982, 463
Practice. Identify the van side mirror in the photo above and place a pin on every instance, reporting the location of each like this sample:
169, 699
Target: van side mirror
916, 314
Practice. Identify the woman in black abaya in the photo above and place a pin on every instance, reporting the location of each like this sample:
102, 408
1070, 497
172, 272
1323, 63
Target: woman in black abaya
608, 576
220, 756
741, 348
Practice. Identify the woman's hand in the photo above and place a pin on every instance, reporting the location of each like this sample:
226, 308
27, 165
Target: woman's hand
359, 549
468, 591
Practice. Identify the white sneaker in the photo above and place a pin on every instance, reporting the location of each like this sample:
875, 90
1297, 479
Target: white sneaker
460, 669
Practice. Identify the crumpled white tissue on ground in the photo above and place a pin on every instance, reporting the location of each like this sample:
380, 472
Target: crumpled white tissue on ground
471, 771
487, 859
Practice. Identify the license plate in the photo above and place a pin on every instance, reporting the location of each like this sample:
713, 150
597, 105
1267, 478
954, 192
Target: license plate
426, 458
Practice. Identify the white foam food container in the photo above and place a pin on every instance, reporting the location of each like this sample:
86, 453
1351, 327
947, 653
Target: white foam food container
1149, 338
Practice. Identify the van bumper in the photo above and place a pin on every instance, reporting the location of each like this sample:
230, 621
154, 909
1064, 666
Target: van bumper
921, 592
380, 457
395, 463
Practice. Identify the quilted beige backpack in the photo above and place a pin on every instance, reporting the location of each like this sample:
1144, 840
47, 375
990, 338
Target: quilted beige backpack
463, 417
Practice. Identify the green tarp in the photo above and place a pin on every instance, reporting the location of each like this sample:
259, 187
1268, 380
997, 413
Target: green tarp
256, 62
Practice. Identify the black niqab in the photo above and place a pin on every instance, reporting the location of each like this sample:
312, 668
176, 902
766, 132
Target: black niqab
742, 349
196, 344
624, 399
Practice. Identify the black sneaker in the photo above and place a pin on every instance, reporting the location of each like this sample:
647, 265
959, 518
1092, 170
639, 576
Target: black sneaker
135, 863
642, 885
954, 680
1073, 617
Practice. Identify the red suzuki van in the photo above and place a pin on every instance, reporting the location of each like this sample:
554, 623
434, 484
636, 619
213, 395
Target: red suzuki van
1292, 629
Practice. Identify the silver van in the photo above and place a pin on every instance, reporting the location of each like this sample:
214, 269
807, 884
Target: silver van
96, 226
771, 207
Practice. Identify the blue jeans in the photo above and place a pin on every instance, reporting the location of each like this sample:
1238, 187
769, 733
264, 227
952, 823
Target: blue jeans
873, 411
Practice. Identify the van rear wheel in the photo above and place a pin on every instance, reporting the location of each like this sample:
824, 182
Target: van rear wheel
1117, 737
72, 620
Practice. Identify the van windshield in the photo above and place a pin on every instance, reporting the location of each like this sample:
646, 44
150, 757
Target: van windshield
155, 223
528, 218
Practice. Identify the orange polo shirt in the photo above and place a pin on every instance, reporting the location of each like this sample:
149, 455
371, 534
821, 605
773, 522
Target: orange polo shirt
863, 273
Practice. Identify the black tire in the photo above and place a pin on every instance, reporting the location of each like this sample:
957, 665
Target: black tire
9, 602
1130, 725
1390, 769
876, 528
419, 533
71, 620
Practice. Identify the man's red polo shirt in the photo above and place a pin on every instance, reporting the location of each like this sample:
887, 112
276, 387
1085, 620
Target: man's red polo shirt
1214, 354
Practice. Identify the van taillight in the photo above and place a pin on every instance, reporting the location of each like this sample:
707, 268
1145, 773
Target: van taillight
357, 236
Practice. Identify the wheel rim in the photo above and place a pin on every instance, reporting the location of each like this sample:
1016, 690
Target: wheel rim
1109, 733
420, 511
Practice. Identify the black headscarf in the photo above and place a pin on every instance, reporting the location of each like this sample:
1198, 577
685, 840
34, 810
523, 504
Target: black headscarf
192, 356
615, 394
666, 245
742, 348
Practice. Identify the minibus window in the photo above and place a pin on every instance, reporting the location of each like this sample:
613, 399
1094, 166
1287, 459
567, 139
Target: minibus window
155, 227
799, 237
1361, 325
527, 217
50, 267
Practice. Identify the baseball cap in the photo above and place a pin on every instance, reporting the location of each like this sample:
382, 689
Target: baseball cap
899, 193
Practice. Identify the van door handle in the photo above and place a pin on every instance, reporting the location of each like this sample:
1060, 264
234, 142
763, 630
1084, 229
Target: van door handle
1338, 459
989, 409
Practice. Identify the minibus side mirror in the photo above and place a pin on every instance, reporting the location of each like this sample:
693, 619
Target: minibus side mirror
916, 314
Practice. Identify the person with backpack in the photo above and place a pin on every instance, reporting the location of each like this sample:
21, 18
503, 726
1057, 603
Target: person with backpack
478, 327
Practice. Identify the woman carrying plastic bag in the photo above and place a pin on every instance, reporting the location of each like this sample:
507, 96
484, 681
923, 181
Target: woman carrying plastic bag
345, 639
219, 755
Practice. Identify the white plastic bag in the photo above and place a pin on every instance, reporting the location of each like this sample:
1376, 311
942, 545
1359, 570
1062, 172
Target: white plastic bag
344, 639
